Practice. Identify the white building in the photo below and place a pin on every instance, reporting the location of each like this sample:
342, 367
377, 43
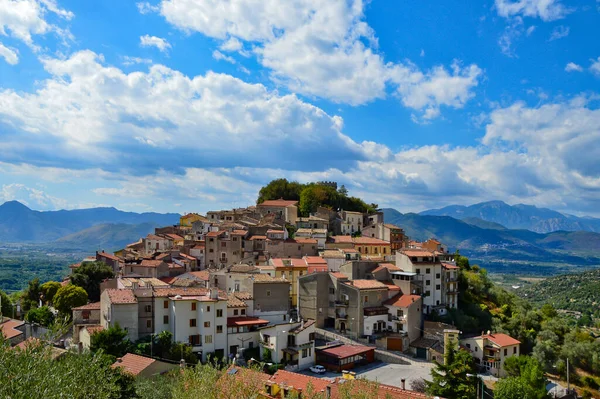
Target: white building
290, 343
352, 222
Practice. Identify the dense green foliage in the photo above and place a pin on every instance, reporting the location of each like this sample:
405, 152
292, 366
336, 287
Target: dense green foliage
68, 297
162, 345
559, 292
49, 289
313, 195
525, 380
113, 341
456, 377
42, 315
89, 276
7, 308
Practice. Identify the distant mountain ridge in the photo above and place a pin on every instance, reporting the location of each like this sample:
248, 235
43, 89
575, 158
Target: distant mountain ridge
18, 223
520, 216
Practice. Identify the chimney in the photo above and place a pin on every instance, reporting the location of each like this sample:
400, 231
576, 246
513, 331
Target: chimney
403, 384
214, 293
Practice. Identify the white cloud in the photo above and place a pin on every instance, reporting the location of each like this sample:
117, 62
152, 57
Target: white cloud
573, 67
422, 53
530, 30
219, 56
127, 60
31, 197
22, 19
147, 8
153, 41
316, 48
512, 32
559, 32
546, 10
595, 67
9, 54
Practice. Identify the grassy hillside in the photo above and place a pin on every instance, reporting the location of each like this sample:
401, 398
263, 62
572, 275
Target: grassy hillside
108, 237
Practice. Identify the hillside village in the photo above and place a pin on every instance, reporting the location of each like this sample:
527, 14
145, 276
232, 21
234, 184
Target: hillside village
335, 288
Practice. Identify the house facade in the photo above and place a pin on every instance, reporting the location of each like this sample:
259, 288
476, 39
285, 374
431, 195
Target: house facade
491, 351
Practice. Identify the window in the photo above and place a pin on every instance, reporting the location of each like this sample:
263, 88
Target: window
219, 312
208, 339
268, 292
427, 282
219, 329
165, 319
86, 314
208, 308
284, 318
193, 305
366, 298
515, 350
400, 312
235, 312
242, 311
192, 322
331, 290
234, 238
427, 271
476, 349
468, 346
166, 304
437, 275
427, 293
223, 244
505, 351
148, 323
418, 271
211, 250
207, 324
437, 287
148, 308
195, 339
304, 353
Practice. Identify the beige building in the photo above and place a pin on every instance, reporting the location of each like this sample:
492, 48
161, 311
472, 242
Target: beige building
282, 209
352, 222
224, 248
491, 350
147, 268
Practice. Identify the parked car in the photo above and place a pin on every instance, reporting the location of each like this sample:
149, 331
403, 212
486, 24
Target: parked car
318, 369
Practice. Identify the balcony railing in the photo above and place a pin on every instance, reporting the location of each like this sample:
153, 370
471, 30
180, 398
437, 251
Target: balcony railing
342, 303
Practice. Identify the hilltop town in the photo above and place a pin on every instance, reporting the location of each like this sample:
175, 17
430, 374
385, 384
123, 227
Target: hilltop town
300, 292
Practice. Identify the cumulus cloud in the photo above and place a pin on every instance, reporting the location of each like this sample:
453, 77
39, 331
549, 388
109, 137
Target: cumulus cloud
127, 60
595, 66
22, 19
573, 67
546, 10
9, 54
219, 56
316, 48
153, 41
32, 197
147, 8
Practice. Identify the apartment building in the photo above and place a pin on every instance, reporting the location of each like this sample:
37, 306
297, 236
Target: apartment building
292, 343
491, 350
224, 248
386, 232
352, 222
282, 209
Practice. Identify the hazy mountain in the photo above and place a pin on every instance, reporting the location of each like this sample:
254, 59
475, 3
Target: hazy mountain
18, 223
540, 220
497, 244
484, 224
109, 237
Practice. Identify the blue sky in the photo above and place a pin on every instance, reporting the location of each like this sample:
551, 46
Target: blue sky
187, 105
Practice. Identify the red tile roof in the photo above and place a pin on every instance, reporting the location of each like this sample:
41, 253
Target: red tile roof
258, 238
245, 321
288, 262
339, 275
188, 257
383, 391
304, 240
239, 232
391, 286
315, 260
174, 237
449, 266
370, 241
108, 256
133, 364
89, 306
341, 239
278, 203
214, 233
150, 263
501, 339
202, 275
298, 381
94, 329
121, 296
28, 343
402, 301
344, 351
390, 266
234, 302
367, 284
417, 252
8, 328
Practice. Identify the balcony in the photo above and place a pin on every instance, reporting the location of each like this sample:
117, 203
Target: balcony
341, 316
399, 319
342, 303
267, 344
375, 311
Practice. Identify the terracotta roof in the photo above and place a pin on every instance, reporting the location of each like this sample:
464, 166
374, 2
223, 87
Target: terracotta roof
370, 241
501, 339
298, 381
239, 232
163, 256
339, 275
288, 262
333, 253
417, 252
391, 286
402, 301
242, 268
121, 296
172, 291
449, 266
383, 391
29, 342
243, 295
344, 351
300, 328
367, 284
280, 203
173, 266
245, 321
391, 226
234, 302
133, 364
341, 239
271, 231
107, 255
89, 306
305, 240
200, 246
174, 237
202, 275
265, 278
168, 280
154, 237
94, 329
188, 257
315, 260
214, 233
9, 328
349, 250
150, 263
75, 265
389, 266
258, 238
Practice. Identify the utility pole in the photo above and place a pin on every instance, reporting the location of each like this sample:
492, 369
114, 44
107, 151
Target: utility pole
568, 384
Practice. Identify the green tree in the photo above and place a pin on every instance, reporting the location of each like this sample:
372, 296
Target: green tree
113, 341
455, 378
42, 315
89, 276
31, 295
69, 297
49, 289
280, 188
7, 306
526, 380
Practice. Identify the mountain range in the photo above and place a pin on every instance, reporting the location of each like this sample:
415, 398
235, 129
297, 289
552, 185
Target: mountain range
18, 223
540, 220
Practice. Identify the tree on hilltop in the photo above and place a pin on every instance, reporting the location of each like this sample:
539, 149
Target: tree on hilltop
89, 276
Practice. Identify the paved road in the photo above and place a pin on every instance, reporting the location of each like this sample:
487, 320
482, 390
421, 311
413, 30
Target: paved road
390, 374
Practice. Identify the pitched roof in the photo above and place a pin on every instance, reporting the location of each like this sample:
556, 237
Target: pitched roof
172, 291
202, 275
108, 256
280, 202
288, 262
302, 327
89, 306
501, 339
174, 237
234, 302
121, 296
239, 232
154, 237
383, 391
133, 364
391, 286
215, 233
417, 252
315, 260
370, 241
388, 266
305, 240
344, 351
265, 278
298, 381
402, 301
150, 263
339, 275
341, 239
258, 238
367, 284
94, 329
242, 268
9, 328
449, 266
